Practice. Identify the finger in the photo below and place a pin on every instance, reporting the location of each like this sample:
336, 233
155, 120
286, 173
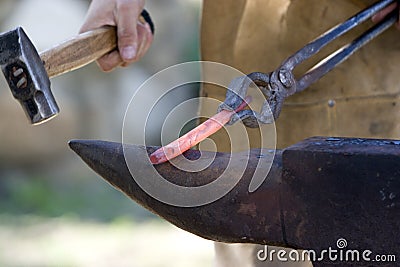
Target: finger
143, 38
127, 16
383, 13
147, 41
146, 45
140, 53
110, 61
100, 13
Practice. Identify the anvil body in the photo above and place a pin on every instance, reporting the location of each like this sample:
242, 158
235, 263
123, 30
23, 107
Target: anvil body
318, 191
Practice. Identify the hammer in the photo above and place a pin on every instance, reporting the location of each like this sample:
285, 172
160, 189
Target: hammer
28, 73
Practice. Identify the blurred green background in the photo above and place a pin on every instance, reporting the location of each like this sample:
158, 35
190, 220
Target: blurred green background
54, 211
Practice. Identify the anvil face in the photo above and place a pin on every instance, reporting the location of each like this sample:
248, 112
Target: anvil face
26, 76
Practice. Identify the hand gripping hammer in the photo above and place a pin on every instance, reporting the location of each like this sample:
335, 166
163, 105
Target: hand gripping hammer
28, 73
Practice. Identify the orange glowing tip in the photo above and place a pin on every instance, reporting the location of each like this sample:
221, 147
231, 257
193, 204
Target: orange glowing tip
195, 136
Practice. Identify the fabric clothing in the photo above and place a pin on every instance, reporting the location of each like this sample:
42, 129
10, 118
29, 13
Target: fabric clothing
359, 98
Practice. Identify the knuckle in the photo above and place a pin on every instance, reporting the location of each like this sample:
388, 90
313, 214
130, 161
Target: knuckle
128, 4
122, 4
107, 63
126, 32
105, 66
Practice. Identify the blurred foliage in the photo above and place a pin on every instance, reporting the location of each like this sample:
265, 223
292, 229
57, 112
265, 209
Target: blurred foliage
84, 197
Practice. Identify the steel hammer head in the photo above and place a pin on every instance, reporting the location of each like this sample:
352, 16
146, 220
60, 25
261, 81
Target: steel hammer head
26, 76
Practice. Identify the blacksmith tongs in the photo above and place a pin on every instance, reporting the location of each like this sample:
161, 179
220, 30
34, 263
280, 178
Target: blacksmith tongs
281, 83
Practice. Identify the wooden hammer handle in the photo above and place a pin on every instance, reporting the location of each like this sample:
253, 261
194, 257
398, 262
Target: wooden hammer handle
79, 51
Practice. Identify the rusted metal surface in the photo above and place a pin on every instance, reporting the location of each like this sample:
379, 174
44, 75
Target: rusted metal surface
318, 191
342, 188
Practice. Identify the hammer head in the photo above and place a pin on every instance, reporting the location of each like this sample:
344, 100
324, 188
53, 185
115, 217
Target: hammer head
26, 76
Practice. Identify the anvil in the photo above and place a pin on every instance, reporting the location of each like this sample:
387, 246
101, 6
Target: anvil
317, 191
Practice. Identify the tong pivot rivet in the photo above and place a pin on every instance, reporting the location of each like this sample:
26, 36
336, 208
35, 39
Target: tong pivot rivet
285, 78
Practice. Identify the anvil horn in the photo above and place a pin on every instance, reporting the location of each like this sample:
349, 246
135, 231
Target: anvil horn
317, 192
233, 218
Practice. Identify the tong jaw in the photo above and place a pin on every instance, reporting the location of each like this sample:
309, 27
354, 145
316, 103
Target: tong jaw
275, 86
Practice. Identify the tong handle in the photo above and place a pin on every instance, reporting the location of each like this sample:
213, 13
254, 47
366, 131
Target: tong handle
282, 83
315, 46
340, 55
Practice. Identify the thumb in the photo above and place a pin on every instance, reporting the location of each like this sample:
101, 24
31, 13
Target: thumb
126, 18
